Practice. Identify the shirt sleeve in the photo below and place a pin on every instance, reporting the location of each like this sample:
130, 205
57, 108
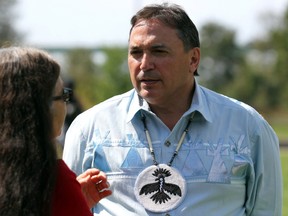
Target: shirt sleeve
264, 189
74, 147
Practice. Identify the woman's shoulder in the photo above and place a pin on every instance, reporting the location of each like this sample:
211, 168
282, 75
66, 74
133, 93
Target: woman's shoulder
68, 198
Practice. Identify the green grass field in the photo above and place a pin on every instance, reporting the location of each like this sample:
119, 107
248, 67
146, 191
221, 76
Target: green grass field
279, 123
284, 161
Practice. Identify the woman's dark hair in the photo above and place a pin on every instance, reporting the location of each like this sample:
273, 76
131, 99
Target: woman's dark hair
27, 153
173, 16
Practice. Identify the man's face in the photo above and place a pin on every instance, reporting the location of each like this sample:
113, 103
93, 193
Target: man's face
160, 69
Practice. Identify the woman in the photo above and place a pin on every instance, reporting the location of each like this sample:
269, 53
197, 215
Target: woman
32, 112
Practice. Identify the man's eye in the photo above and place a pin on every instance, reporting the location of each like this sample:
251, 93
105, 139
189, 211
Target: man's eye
159, 51
135, 52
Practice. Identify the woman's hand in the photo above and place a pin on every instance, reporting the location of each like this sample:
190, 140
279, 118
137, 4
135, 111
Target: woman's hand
94, 186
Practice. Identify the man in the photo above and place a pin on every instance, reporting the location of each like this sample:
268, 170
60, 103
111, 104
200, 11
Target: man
169, 146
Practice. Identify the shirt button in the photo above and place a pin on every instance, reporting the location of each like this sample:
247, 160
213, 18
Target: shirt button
167, 143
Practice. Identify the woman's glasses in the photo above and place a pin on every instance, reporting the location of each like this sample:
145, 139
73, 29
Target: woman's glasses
66, 95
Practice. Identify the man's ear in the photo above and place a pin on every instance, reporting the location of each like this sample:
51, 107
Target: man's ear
194, 59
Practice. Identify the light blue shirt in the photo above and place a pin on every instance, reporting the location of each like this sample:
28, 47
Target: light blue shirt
229, 157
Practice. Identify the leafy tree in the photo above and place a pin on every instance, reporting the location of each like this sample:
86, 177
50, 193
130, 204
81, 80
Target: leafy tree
115, 77
255, 73
220, 55
269, 58
279, 43
8, 34
83, 71
99, 73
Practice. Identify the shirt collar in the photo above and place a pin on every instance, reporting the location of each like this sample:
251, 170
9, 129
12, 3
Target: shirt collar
199, 103
137, 104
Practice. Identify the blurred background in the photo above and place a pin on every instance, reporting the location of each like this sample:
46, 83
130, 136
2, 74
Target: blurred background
244, 48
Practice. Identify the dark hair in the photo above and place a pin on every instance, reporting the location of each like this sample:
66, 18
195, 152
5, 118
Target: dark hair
27, 153
173, 16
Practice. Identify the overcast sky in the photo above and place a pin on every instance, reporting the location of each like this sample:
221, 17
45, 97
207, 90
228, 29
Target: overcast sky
95, 22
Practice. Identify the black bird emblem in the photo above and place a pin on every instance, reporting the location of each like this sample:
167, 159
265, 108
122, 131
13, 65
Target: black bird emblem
160, 186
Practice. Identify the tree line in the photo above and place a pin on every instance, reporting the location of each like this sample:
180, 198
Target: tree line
255, 73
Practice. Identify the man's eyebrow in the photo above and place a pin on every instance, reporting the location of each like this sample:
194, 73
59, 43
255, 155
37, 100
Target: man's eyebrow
134, 47
158, 46
155, 46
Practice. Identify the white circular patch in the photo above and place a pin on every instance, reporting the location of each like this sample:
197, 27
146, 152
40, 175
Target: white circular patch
160, 188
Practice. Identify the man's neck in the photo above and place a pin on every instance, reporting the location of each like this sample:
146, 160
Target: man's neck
171, 114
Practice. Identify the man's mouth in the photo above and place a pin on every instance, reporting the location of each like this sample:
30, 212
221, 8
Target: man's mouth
148, 81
